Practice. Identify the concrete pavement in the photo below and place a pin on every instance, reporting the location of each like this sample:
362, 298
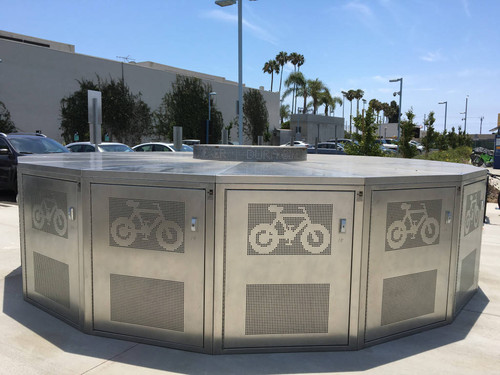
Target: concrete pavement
34, 342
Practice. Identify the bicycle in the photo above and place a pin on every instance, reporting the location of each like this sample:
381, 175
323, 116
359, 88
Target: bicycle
472, 216
124, 231
47, 213
398, 231
265, 238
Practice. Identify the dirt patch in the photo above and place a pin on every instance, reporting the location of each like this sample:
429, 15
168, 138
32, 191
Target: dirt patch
493, 191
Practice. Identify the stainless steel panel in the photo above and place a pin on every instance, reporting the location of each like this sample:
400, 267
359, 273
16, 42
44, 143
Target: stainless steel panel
287, 268
51, 245
148, 263
470, 242
409, 259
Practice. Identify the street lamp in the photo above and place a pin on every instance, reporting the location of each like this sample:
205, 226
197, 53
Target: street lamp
400, 93
445, 112
208, 124
465, 123
225, 3
343, 100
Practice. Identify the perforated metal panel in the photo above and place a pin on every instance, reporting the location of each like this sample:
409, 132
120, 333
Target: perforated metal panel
148, 265
287, 309
287, 268
51, 244
51, 279
147, 302
409, 255
408, 296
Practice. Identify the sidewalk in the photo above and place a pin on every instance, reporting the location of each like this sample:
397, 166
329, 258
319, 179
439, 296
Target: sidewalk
34, 342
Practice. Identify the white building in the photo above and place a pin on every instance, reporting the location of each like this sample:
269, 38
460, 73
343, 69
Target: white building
35, 74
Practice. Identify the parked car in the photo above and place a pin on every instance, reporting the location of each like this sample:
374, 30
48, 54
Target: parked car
102, 147
342, 141
296, 143
191, 142
161, 147
327, 148
14, 145
418, 145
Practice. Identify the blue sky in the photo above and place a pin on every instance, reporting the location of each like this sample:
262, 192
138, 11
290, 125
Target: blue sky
444, 50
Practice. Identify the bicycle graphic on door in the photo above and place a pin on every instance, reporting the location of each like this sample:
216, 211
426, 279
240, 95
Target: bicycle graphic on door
473, 213
415, 222
144, 222
47, 216
264, 238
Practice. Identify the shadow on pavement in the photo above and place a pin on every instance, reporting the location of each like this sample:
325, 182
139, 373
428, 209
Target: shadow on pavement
71, 340
7, 197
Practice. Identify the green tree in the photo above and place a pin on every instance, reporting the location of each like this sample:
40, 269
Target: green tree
125, 116
406, 149
452, 138
350, 95
367, 139
430, 137
358, 94
281, 59
442, 141
328, 101
6, 124
284, 113
377, 107
315, 89
74, 112
298, 80
271, 67
187, 106
463, 138
255, 115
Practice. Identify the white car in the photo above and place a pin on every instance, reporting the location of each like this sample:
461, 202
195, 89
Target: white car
102, 147
417, 145
161, 147
296, 143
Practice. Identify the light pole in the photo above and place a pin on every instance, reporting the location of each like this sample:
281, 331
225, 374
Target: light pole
343, 100
224, 3
208, 124
400, 93
445, 112
465, 123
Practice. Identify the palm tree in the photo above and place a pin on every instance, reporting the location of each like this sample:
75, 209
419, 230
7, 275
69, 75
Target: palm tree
329, 102
284, 112
301, 62
281, 59
358, 95
315, 90
294, 58
300, 82
350, 95
271, 67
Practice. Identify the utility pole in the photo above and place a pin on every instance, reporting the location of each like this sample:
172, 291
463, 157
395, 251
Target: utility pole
481, 125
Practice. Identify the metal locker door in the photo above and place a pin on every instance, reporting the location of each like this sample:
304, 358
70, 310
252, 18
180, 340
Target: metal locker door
470, 243
287, 268
148, 262
409, 259
51, 241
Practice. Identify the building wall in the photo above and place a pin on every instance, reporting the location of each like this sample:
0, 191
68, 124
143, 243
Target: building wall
317, 126
34, 79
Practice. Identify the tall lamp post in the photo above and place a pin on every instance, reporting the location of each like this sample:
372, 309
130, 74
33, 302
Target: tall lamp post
445, 112
225, 3
465, 121
400, 93
209, 102
343, 99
